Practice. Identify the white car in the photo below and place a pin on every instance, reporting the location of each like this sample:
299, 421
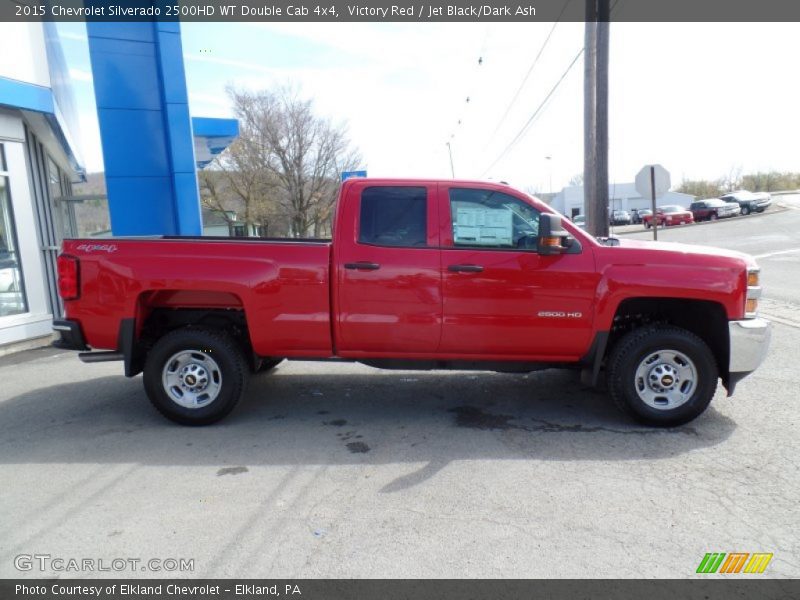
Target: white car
8, 280
749, 202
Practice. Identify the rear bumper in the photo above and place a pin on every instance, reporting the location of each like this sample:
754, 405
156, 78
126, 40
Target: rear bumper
749, 342
71, 335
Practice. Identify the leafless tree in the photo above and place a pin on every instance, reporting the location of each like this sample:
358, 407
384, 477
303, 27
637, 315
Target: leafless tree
732, 181
287, 159
576, 179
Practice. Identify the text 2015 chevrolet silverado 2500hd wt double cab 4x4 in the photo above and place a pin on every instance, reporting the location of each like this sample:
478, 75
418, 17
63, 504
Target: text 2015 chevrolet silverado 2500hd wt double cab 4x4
420, 275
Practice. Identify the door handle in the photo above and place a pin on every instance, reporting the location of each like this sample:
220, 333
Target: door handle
362, 266
465, 268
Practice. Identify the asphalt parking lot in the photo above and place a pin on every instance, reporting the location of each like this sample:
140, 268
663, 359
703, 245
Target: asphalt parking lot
331, 470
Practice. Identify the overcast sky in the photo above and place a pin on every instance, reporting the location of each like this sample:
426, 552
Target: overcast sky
701, 99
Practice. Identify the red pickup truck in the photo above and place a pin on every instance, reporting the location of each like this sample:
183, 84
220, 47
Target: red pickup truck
420, 275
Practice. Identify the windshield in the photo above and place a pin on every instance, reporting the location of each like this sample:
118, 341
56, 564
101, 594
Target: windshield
671, 209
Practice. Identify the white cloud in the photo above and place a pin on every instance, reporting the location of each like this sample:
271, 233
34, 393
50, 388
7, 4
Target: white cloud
227, 62
90, 140
80, 75
68, 35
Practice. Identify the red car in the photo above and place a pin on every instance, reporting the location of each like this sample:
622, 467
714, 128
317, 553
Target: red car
669, 215
420, 274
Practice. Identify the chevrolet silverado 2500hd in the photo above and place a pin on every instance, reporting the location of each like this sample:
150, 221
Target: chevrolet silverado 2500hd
419, 275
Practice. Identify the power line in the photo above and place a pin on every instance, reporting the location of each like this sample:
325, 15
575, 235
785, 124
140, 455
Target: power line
542, 106
521, 133
528, 74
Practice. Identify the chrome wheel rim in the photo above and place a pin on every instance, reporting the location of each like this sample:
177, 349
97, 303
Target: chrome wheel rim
192, 379
665, 379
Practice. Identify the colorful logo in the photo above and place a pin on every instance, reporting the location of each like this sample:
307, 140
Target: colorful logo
734, 562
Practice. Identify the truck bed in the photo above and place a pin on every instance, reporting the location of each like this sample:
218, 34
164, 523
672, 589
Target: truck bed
281, 285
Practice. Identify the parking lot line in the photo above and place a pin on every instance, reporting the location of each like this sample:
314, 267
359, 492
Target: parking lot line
769, 254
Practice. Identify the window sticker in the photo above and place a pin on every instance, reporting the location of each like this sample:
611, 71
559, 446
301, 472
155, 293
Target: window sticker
483, 226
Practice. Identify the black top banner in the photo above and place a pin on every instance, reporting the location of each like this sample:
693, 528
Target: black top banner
397, 11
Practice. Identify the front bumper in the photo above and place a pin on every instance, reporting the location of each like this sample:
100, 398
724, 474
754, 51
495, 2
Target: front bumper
749, 342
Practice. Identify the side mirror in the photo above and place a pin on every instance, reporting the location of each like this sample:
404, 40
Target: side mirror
553, 239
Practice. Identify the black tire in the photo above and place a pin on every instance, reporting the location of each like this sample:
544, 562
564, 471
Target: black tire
647, 225
629, 355
268, 365
712, 217
745, 210
211, 352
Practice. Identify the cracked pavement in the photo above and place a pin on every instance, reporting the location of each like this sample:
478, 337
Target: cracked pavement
341, 470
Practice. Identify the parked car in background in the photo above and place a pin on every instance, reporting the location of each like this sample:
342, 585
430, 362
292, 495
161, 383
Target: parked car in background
8, 273
638, 215
620, 217
669, 215
7, 281
580, 221
713, 209
749, 202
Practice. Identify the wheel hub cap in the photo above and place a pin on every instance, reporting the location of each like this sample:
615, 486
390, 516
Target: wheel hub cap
192, 379
665, 379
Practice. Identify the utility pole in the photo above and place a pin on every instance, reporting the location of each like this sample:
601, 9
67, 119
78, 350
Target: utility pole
595, 117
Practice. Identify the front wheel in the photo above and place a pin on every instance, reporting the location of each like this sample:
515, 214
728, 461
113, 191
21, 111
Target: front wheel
745, 210
713, 217
195, 376
662, 376
647, 225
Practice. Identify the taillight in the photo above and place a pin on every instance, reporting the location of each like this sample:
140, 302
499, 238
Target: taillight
69, 282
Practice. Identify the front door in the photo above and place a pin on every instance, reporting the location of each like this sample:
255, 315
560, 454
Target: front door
501, 298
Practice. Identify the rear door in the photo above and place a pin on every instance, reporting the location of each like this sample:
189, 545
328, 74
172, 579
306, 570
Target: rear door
387, 261
501, 298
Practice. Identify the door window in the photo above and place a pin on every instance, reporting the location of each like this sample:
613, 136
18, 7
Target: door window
394, 216
491, 219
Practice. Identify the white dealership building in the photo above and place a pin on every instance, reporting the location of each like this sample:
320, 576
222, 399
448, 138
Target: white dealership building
39, 161
622, 196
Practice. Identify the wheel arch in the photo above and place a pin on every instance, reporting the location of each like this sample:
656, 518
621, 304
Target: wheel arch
705, 318
163, 311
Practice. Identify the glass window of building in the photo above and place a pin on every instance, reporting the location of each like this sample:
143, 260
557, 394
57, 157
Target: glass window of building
12, 292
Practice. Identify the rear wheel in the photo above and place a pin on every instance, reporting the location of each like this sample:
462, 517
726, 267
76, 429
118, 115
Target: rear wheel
195, 376
662, 375
647, 225
712, 217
